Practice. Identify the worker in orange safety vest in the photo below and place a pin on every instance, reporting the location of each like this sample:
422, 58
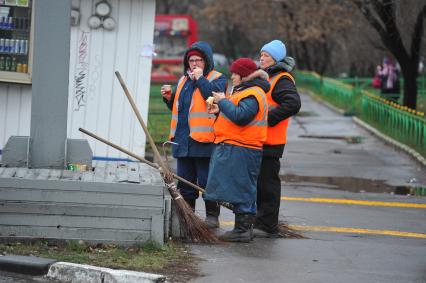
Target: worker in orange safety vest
191, 127
283, 102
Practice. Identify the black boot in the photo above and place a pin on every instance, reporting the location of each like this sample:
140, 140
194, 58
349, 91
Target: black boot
191, 203
242, 231
212, 214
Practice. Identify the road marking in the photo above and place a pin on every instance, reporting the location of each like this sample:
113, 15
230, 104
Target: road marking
357, 202
358, 231
347, 230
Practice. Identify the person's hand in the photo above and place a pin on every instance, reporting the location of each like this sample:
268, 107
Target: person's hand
212, 108
218, 96
197, 72
166, 92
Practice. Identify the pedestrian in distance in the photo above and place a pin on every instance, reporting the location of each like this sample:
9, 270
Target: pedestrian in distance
191, 128
240, 131
389, 75
283, 102
377, 81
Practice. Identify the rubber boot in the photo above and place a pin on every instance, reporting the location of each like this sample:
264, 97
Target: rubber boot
212, 214
191, 203
242, 231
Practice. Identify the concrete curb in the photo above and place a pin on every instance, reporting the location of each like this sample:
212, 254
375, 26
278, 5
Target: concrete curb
30, 265
74, 273
372, 130
81, 273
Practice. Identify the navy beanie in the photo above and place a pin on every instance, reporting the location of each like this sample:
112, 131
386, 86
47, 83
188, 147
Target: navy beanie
276, 49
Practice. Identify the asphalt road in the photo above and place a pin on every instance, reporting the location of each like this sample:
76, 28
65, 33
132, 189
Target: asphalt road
359, 231
8, 277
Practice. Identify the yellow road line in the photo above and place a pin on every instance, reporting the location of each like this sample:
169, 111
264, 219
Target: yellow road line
358, 231
347, 230
357, 202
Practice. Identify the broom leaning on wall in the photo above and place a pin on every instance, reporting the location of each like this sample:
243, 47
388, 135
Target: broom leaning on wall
192, 226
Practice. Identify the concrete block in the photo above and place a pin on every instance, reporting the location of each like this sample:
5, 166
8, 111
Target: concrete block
82, 273
79, 151
15, 152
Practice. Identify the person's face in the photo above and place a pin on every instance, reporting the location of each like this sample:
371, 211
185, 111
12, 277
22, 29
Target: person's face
236, 79
265, 60
196, 61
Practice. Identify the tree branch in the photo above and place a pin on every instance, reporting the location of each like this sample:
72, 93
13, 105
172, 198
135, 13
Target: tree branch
417, 35
362, 6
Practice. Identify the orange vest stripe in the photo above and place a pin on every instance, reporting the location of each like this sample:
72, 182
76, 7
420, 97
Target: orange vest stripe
251, 135
278, 133
200, 122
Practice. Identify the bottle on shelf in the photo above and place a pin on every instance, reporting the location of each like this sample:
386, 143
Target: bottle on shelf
25, 46
7, 63
2, 63
17, 46
12, 46
13, 64
6, 47
9, 23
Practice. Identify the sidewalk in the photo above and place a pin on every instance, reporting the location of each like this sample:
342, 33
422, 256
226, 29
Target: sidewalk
312, 151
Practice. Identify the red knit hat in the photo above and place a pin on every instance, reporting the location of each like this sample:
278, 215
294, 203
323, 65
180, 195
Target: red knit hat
194, 52
243, 67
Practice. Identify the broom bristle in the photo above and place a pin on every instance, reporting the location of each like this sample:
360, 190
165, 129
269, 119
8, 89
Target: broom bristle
287, 232
192, 227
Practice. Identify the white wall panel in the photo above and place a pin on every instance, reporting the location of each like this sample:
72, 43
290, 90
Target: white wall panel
96, 100
15, 111
96, 55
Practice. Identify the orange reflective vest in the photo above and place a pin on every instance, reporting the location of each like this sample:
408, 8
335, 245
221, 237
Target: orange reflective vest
252, 135
200, 122
278, 133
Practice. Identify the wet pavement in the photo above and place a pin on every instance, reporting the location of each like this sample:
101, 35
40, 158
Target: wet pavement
9, 277
330, 155
342, 193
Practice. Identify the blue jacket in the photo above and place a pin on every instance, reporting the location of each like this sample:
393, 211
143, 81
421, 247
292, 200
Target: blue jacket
187, 147
234, 170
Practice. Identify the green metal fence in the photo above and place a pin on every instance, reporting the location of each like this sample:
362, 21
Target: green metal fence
395, 121
401, 123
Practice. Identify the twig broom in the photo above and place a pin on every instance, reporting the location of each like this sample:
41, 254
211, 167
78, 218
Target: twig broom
193, 228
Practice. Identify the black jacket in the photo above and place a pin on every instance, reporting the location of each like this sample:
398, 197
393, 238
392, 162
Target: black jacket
285, 94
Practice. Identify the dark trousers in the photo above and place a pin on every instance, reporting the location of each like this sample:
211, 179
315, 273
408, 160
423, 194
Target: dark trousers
195, 170
268, 195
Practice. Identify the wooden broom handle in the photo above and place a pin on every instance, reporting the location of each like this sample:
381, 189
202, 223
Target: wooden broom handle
145, 129
154, 165
153, 145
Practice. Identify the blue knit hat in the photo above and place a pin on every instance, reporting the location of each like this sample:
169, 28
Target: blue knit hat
276, 49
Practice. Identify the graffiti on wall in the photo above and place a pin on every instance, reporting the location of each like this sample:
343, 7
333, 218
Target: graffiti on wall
81, 73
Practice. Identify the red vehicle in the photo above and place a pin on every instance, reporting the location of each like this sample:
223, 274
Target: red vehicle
172, 36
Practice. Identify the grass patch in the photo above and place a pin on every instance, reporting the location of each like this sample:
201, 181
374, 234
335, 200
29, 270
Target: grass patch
158, 116
169, 259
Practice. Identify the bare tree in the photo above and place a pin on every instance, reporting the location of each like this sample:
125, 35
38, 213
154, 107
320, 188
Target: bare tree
381, 15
